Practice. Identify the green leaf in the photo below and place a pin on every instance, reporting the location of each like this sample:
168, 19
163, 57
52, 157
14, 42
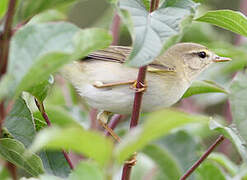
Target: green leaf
157, 124
85, 171
227, 49
228, 19
146, 3
233, 135
238, 102
35, 81
237, 53
151, 32
41, 49
143, 167
58, 116
20, 124
184, 148
5, 85
33, 42
29, 8
242, 174
199, 87
201, 33
4, 173
41, 89
88, 143
56, 96
89, 40
50, 15
165, 161
208, 171
13, 151
48, 177
223, 161
3, 7
55, 163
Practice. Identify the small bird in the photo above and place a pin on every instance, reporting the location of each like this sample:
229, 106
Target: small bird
107, 84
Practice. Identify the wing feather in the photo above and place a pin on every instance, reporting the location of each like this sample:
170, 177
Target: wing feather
113, 53
119, 54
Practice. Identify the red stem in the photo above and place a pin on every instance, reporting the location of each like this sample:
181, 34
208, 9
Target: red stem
2, 116
138, 97
138, 100
41, 108
156, 5
203, 157
135, 114
4, 52
66, 155
5, 37
126, 172
12, 169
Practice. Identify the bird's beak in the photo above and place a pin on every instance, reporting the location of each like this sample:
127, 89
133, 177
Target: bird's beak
221, 59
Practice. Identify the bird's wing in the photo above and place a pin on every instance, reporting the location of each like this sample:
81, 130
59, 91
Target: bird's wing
113, 53
119, 54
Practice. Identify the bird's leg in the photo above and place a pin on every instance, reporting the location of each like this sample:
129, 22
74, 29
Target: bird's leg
134, 86
99, 84
102, 117
133, 83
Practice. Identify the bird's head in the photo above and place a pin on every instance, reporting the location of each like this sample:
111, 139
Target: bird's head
190, 59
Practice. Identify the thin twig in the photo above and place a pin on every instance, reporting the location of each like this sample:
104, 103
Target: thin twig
66, 156
41, 108
12, 169
5, 37
156, 5
203, 157
135, 115
153, 4
138, 100
4, 52
2, 116
138, 97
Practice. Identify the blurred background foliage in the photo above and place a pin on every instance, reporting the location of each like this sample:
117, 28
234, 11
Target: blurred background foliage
182, 147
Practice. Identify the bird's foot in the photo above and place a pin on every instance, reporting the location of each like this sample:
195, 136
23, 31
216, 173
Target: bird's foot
132, 160
143, 87
102, 118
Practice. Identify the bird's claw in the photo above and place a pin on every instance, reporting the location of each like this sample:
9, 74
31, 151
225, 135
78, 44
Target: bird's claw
138, 89
132, 161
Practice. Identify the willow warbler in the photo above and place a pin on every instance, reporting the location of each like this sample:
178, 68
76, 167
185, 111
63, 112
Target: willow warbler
106, 83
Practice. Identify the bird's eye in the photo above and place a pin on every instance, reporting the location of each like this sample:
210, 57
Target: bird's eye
202, 54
